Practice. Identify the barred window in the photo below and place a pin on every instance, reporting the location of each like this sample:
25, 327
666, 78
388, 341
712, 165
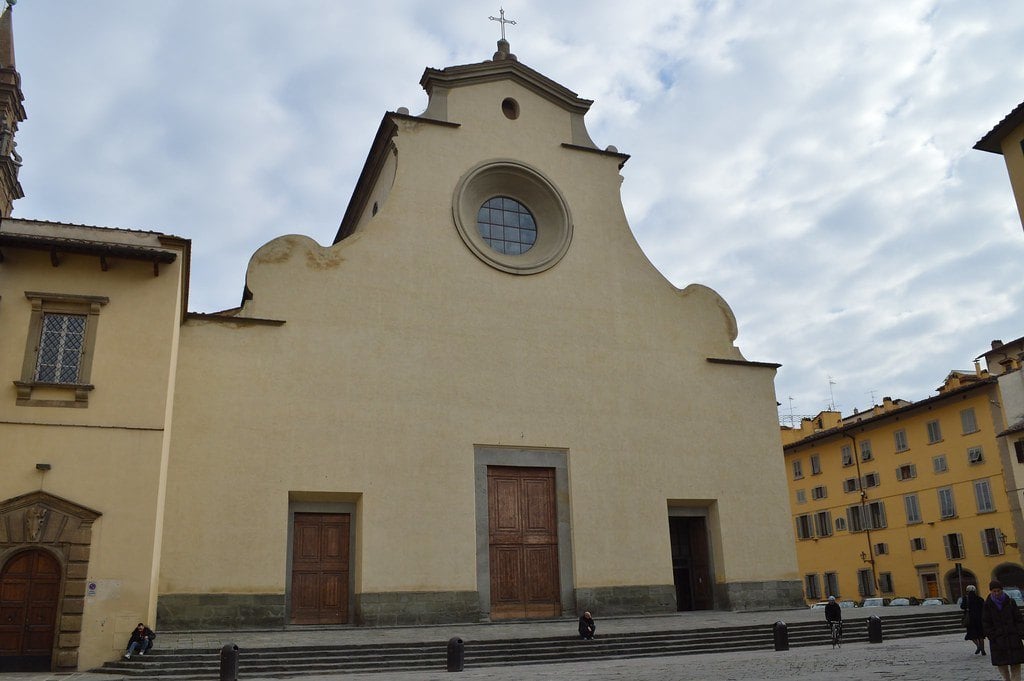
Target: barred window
59, 348
61, 342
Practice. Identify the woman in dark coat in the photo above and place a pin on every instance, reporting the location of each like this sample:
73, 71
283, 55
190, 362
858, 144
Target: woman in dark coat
972, 605
1003, 624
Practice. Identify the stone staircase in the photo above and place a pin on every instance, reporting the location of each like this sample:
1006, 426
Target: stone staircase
299, 660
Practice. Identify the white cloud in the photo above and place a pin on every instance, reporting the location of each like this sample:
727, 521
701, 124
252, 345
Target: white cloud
810, 161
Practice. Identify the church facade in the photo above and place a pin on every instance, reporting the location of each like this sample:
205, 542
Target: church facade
480, 402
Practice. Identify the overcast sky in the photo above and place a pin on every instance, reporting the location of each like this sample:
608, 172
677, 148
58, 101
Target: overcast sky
810, 160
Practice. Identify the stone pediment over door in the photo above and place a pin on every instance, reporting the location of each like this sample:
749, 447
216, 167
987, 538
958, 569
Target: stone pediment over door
41, 522
42, 518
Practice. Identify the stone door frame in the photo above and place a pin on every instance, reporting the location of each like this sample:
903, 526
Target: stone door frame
62, 528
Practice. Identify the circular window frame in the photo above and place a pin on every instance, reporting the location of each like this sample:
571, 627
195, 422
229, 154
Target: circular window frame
529, 187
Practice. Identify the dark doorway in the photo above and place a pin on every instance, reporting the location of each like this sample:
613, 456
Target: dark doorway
691, 566
29, 596
523, 542
955, 582
1010, 575
320, 568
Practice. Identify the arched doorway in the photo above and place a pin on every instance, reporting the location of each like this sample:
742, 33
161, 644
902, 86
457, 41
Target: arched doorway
29, 601
957, 584
1010, 575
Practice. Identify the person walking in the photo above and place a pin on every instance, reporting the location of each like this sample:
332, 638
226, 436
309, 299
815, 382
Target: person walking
972, 604
1002, 623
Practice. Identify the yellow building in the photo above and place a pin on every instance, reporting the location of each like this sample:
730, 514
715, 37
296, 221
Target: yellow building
481, 401
892, 501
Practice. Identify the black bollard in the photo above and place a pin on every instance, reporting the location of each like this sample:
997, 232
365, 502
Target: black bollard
456, 654
874, 629
780, 633
229, 662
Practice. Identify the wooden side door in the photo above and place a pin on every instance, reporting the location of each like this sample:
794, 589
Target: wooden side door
29, 601
320, 568
523, 542
691, 564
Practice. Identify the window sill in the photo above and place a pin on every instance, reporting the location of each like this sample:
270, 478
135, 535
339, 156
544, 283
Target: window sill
78, 394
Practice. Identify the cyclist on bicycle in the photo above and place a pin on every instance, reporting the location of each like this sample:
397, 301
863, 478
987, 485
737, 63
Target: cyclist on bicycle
833, 613
834, 618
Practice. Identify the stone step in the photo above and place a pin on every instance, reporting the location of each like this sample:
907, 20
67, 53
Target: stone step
299, 660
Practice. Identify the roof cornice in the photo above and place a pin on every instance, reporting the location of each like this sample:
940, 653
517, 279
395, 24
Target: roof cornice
505, 69
992, 141
902, 411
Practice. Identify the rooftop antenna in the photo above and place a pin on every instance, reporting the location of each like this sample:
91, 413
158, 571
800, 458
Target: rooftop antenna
792, 420
831, 396
872, 393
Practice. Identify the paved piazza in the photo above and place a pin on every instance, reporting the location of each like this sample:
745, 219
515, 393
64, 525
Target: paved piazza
933, 658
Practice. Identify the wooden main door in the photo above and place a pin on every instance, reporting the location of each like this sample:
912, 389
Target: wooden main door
691, 565
29, 598
523, 539
320, 568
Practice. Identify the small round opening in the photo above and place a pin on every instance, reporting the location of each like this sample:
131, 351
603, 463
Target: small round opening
510, 108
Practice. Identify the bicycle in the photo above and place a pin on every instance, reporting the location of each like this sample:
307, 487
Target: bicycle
836, 632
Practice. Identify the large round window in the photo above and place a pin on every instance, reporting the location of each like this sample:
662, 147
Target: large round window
506, 225
512, 217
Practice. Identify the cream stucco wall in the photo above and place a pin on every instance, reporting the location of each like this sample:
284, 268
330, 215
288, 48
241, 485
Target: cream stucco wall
401, 350
106, 457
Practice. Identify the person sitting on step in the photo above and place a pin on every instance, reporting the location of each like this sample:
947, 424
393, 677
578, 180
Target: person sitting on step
140, 642
587, 626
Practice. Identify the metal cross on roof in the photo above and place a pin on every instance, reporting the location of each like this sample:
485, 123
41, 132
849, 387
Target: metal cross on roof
502, 20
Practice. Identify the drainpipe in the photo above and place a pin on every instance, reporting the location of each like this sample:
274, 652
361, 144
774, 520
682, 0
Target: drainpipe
863, 514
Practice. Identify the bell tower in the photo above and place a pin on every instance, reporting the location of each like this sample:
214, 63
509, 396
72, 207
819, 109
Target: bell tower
12, 112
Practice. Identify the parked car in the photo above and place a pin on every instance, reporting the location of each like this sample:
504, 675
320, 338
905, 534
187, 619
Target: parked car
935, 601
899, 601
874, 602
847, 604
1015, 594
820, 605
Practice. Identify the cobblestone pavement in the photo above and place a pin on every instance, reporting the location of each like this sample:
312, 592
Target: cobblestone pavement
933, 658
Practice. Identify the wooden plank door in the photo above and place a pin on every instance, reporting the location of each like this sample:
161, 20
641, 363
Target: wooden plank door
523, 542
320, 568
29, 600
691, 564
